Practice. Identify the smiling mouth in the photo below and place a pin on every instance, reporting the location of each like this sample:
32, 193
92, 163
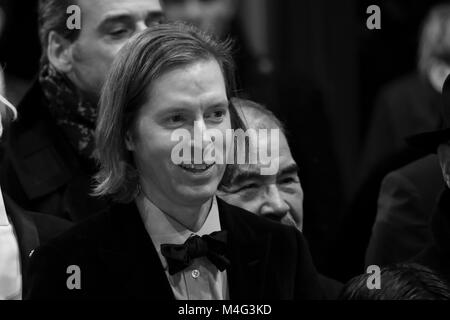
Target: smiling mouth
196, 168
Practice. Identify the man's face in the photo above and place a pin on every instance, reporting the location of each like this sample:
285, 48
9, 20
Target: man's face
191, 98
278, 197
105, 27
209, 15
444, 160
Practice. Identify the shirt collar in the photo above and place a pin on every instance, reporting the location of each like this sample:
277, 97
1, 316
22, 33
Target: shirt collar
163, 229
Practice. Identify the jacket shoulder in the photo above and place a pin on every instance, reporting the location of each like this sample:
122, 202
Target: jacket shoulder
249, 224
422, 177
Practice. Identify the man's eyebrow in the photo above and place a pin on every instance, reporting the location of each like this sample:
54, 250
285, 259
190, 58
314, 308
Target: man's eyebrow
254, 173
172, 110
290, 169
222, 104
116, 17
243, 175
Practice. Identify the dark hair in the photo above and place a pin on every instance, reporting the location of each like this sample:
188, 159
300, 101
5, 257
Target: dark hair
52, 16
140, 62
407, 281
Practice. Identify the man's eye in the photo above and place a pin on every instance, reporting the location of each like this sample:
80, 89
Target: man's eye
288, 180
216, 116
175, 119
118, 33
250, 186
219, 114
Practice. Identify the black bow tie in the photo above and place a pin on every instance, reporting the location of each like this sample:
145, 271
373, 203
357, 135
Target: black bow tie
213, 246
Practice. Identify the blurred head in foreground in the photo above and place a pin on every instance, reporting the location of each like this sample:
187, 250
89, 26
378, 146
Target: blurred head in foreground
399, 282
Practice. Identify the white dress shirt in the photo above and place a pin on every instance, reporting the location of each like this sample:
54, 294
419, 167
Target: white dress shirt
200, 281
10, 273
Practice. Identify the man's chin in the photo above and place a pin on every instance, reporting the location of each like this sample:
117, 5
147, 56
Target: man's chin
196, 194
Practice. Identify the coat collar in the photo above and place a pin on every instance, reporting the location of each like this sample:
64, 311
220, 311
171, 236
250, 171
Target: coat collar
130, 254
35, 148
247, 249
27, 234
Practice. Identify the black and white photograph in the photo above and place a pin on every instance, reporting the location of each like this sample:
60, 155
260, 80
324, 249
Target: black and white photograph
225, 158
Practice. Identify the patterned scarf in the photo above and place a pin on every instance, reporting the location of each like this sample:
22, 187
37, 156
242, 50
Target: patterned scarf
73, 114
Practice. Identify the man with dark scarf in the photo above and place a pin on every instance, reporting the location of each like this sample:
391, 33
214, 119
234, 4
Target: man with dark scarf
50, 151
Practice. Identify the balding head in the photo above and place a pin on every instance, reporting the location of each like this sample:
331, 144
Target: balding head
277, 196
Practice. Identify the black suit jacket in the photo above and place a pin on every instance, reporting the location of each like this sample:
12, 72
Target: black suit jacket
405, 107
117, 260
405, 205
437, 255
41, 170
32, 229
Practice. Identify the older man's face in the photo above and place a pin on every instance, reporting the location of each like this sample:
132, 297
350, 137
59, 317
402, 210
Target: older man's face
105, 27
278, 197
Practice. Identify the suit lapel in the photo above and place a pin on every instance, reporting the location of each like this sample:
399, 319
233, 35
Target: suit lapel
132, 258
248, 251
27, 234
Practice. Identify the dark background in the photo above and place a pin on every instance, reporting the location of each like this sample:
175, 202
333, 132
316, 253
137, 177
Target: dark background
329, 68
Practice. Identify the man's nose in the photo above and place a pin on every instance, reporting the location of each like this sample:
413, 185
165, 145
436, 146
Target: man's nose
201, 133
202, 138
274, 206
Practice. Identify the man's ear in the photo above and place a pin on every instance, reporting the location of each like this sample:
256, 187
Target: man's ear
129, 141
59, 52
